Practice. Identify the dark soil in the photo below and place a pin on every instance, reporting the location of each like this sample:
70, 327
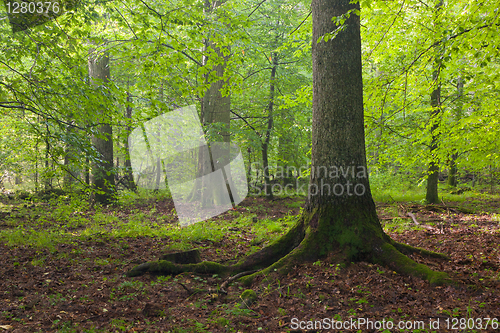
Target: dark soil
81, 287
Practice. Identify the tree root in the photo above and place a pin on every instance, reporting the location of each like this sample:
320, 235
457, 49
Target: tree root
276, 250
163, 267
301, 244
232, 278
407, 249
388, 255
261, 259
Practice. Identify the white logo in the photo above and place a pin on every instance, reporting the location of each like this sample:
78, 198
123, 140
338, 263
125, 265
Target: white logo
205, 180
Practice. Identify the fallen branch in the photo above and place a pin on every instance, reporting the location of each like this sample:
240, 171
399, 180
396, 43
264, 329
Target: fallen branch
232, 278
413, 218
422, 225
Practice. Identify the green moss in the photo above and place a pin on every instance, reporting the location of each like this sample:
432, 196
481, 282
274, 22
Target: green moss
207, 267
405, 248
391, 257
350, 229
249, 296
164, 267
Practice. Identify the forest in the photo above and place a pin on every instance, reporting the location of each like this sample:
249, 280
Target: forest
252, 165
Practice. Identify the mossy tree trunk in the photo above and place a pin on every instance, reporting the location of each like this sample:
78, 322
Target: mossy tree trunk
340, 218
103, 177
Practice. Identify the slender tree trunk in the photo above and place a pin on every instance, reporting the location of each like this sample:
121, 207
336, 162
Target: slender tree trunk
37, 183
87, 171
159, 169
72, 172
433, 170
129, 177
102, 171
270, 122
452, 178
286, 160
47, 180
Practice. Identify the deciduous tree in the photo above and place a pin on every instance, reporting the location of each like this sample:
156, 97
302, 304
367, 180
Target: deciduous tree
343, 224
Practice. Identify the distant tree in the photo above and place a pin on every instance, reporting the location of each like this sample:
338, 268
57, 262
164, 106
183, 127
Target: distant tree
103, 178
452, 161
433, 171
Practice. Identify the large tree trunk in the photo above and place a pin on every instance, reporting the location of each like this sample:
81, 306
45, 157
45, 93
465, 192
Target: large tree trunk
102, 170
339, 203
340, 218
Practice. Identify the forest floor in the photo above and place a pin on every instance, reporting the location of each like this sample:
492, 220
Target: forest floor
71, 278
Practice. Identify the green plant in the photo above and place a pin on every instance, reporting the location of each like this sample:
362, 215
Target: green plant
38, 262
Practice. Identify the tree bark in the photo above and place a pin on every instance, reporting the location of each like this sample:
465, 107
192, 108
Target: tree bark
267, 135
452, 177
129, 177
343, 224
433, 170
103, 178
215, 113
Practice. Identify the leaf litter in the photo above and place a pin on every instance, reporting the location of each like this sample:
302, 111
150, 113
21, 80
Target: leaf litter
81, 287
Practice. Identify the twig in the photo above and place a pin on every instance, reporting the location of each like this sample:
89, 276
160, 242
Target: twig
297, 28
413, 218
253, 11
232, 278
422, 225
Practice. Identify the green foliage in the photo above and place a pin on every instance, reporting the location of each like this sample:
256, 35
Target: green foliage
159, 62
398, 84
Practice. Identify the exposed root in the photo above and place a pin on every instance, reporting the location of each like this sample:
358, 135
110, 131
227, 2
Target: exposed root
282, 266
232, 278
407, 249
388, 255
164, 267
301, 244
261, 259
273, 252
